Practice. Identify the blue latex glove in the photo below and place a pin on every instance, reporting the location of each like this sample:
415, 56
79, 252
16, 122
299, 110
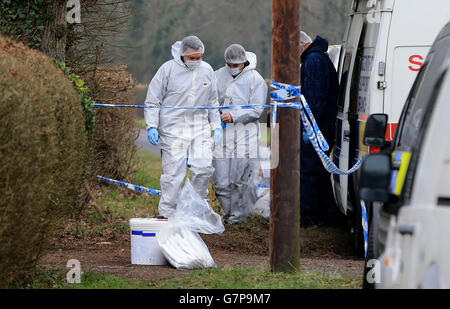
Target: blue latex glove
153, 136
224, 125
217, 136
306, 138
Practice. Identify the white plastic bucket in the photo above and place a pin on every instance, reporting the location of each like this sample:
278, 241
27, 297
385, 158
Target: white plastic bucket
144, 245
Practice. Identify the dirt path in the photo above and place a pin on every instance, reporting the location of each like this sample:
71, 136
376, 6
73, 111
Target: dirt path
114, 258
240, 246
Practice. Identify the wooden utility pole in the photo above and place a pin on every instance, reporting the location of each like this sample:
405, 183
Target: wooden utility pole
285, 177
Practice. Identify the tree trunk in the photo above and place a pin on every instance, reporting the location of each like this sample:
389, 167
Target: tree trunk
54, 37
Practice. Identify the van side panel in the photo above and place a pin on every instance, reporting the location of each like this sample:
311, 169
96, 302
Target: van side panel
414, 26
407, 61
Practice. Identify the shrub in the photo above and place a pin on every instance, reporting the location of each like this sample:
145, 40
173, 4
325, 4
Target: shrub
115, 130
44, 156
85, 99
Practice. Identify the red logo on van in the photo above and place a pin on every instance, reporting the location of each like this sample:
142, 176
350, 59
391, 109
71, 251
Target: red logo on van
417, 64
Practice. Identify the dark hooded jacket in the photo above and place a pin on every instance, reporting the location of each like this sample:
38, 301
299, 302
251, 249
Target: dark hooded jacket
320, 86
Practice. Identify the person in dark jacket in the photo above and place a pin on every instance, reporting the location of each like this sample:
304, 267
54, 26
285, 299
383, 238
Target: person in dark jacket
320, 86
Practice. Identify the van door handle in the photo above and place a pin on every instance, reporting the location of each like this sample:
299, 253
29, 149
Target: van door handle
406, 229
346, 133
381, 85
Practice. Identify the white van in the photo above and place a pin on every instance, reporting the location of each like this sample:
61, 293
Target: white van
385, 44
409, 238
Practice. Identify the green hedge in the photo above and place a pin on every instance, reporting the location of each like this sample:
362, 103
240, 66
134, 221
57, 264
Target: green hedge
44, 156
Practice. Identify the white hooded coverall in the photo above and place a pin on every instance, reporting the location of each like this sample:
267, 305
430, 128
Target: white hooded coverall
238, 152
183, 133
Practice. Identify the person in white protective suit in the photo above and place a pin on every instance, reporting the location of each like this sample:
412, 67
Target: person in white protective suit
238, 83
183, 135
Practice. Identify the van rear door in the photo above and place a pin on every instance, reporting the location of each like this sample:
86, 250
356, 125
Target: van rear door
341, 152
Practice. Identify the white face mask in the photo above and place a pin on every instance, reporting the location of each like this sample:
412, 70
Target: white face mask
192, 64
234, 71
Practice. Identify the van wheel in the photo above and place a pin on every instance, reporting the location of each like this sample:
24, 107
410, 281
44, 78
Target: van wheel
372, 245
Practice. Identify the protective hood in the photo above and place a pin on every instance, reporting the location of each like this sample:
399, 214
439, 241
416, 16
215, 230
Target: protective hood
320, 45
253, 60
176, 53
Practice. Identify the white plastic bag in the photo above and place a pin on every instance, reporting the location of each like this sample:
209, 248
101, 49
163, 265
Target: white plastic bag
259, 183
195, 213
179, 239
262, 205
184, 249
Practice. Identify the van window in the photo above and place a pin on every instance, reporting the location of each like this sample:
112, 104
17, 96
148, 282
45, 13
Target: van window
412, 119
344, 79
413, 134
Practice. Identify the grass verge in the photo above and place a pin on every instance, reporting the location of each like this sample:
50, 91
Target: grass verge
220, 278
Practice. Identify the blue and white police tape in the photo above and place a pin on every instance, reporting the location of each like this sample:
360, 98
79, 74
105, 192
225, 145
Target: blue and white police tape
326, 161
311, 128
276, 104
321, 139
281, 86
131, 186
184, 107
283, 92
287, 92
365, 225
292, 105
